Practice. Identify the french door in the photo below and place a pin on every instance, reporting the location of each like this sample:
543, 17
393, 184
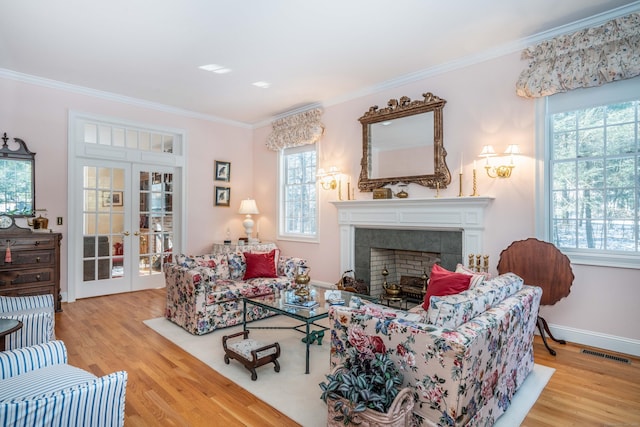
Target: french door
125, 220
127, 227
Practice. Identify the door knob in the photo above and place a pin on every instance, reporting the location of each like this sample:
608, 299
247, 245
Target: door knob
125, 233
137, 233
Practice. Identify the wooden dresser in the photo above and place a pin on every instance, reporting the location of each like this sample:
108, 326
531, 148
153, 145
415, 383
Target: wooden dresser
35, 263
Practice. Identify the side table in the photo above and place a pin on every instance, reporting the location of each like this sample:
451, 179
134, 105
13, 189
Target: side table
7, 326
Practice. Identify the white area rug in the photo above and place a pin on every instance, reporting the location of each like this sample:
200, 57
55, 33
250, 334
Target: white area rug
293, 392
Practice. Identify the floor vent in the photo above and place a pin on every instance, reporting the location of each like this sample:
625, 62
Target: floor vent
606, 356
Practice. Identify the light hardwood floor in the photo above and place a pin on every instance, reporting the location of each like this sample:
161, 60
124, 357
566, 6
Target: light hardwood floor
169, 387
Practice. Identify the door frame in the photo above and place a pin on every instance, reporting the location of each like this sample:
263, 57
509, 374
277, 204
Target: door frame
78, 149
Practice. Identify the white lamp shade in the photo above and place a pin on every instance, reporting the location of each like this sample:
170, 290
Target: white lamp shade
248, 207
487, 151
512, 149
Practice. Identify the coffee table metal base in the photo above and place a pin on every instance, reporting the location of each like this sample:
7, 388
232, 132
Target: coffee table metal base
308, 321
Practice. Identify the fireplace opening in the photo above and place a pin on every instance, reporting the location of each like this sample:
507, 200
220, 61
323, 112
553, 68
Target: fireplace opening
426, 246
405, 268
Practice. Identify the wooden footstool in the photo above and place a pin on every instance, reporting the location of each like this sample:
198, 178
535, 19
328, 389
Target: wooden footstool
250, 353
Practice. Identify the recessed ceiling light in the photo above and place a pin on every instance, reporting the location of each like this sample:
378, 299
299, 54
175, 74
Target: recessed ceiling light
263, 85
215, 68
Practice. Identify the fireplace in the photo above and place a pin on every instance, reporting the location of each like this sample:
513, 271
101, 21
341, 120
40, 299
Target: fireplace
447, 229
407, 252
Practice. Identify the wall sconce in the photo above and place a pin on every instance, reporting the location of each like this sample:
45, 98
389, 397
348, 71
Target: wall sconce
328, 180
502, 170
248, 207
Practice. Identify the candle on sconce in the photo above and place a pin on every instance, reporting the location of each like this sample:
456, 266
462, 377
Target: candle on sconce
461, 161
474, 165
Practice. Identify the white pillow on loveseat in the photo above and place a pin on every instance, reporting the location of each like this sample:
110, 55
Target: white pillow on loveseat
451, 311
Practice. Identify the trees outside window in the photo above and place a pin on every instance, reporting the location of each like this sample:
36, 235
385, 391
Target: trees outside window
593, 170
298, 214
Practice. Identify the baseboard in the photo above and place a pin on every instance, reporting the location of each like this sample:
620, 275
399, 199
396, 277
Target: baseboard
595, 339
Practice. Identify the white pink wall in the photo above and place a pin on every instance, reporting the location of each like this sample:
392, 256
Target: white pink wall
39, 115
482, 108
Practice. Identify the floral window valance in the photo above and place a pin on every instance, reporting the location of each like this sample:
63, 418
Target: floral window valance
590, 57
295, 130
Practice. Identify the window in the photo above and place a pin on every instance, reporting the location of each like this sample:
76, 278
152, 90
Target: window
592, 185
298, 199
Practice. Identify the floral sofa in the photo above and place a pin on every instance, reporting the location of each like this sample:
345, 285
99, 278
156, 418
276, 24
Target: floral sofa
204, 293
465, 356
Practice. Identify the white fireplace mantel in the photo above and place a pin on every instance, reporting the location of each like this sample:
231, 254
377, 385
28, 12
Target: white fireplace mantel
455, 213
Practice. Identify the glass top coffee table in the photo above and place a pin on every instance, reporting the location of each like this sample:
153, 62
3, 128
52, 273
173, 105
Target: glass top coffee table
307, 316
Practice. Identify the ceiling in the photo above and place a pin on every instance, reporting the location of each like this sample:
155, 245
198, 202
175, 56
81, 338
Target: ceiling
311, 52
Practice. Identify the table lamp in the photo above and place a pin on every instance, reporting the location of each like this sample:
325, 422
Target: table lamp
248, 207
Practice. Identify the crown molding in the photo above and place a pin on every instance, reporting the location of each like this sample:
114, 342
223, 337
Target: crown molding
487, 55
456, 64
109, 96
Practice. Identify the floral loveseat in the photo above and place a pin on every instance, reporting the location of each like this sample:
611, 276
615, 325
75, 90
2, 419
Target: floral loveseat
465, 356
204, 292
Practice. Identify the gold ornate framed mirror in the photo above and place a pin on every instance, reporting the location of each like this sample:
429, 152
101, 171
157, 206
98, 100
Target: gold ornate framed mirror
403, 143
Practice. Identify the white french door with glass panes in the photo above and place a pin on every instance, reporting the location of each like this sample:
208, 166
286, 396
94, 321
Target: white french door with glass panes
125, 221
127, 227
105, 225
155, 229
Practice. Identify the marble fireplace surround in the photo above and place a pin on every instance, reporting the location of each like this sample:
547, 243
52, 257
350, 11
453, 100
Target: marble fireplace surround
459, 214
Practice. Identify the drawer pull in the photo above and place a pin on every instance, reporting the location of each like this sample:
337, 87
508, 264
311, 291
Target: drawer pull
38, 277
37, 259
37, 243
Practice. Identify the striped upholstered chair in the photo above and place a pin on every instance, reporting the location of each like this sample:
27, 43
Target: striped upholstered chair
38, 388
37, 316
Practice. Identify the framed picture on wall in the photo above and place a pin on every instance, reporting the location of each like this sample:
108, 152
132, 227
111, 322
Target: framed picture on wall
222, 196
222, 171
112, 198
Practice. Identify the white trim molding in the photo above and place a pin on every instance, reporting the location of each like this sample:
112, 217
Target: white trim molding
594, 339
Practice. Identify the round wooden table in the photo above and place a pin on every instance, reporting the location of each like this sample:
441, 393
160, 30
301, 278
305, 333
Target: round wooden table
540, 264
8, 326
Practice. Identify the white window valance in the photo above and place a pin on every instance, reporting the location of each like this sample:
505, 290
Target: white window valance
589, 57
296, 130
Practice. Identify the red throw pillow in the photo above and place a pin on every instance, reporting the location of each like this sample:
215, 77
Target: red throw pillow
276, 257
260, 265
444, 282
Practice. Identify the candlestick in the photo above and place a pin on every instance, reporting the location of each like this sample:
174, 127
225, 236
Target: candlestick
475, 183
349, 190
437, 190
460, 194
